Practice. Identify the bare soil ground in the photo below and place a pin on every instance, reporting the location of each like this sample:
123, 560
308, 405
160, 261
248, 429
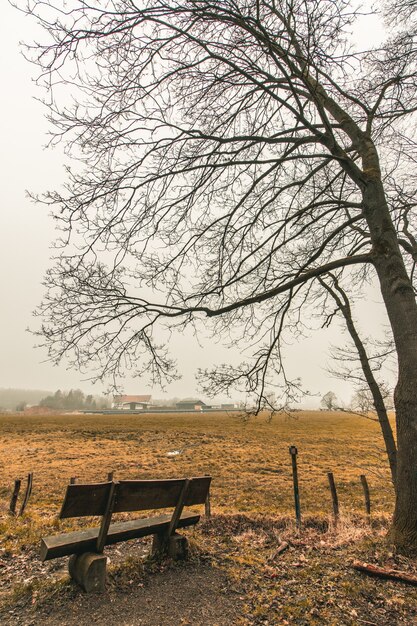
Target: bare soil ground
234, 574
192, 594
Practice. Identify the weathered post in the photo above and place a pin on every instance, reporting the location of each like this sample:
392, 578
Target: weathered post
335, 499
207, 505
293, 452
15, 494
110, 476
27, 493
73, 480
367, 496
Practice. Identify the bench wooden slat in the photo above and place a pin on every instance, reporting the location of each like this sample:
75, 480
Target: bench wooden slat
85, 500
198, 490
78, 542
144, 495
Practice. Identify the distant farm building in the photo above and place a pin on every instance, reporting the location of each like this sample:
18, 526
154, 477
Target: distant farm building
131, 403
191, 405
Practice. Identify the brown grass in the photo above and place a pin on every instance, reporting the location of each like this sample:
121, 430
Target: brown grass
249, 462
310, 583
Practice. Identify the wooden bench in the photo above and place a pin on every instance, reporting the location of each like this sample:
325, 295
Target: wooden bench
87, 564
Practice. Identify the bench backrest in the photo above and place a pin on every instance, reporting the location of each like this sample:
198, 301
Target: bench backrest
132, 495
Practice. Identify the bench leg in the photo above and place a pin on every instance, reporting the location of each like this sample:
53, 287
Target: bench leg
89, 571
175, 546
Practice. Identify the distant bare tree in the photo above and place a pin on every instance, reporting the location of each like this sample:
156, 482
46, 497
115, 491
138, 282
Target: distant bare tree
231, 153
363, 401
329, 400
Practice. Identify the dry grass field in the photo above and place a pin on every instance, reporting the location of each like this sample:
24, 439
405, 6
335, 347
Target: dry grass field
234, 574
249, 462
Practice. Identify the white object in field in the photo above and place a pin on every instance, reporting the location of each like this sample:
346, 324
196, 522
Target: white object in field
174, 452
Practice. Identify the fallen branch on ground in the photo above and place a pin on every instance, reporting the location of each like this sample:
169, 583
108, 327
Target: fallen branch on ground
382, 572
281, 548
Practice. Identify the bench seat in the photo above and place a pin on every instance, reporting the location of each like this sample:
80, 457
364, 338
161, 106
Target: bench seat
78, 542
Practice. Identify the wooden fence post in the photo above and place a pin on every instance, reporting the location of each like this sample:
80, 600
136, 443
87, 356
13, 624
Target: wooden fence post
13, 501
207, 505
335, 499
27, 493
293, 452
367, 496
110, 476
73, 480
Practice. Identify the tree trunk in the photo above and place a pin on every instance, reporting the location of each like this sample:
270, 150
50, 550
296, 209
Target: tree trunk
399, 299
342, 302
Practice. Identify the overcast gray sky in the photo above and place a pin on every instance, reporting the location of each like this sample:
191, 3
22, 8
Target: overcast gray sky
26, 233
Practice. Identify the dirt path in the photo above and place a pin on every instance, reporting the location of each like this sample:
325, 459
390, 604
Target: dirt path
195, 595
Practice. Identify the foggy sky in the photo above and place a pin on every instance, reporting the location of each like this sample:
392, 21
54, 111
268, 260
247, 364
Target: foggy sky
26, 234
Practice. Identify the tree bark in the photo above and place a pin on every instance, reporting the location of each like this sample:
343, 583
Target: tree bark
399, 299
398, 295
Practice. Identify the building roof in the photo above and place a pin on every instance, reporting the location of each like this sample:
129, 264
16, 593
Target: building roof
127, 399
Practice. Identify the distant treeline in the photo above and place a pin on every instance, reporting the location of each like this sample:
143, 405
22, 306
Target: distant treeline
74, 400
11, 398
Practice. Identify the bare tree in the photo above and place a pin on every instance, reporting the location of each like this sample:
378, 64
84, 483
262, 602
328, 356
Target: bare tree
231, 153
363, 401
370, 394
328, 401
